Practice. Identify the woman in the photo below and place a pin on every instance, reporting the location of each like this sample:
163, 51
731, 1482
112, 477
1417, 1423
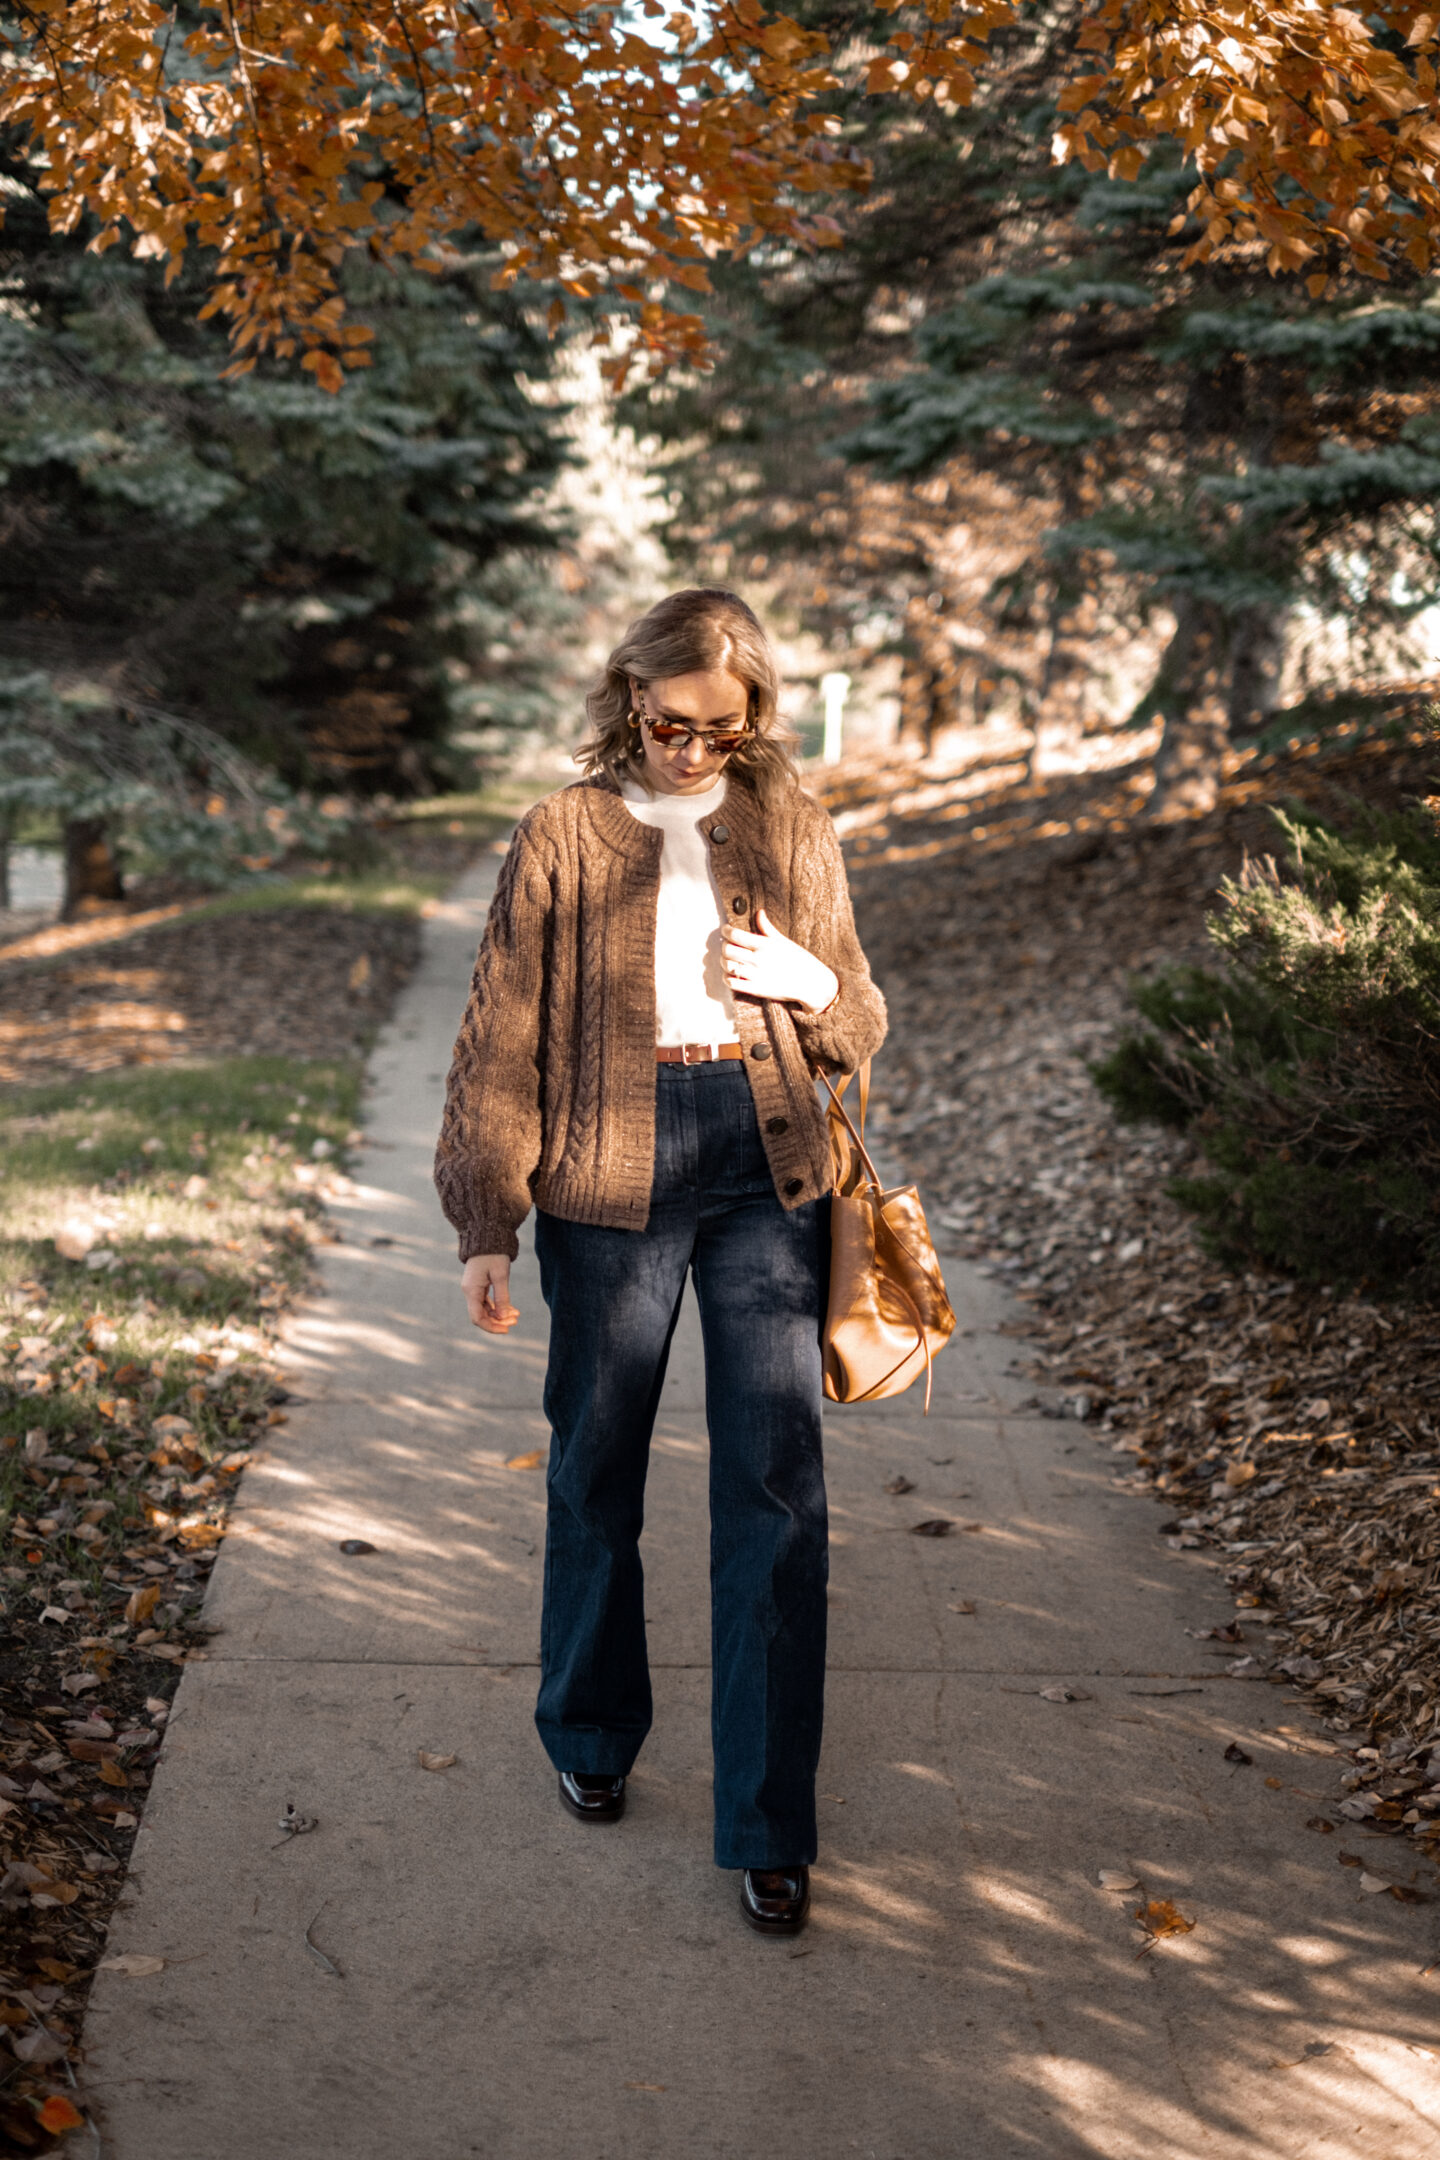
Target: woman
670, 958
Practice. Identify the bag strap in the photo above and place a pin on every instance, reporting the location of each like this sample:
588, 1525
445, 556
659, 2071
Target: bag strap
839, 1111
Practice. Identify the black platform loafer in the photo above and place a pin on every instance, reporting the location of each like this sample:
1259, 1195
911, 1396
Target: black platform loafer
593, 1799
776, 1900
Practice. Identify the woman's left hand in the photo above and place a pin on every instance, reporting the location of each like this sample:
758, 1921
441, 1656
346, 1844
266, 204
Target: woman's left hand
764, 963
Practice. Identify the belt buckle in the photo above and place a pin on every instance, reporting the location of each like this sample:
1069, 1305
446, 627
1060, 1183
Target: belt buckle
685, 1057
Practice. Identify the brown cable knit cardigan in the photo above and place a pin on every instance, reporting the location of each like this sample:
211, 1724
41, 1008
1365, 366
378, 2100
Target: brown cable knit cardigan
551, 1095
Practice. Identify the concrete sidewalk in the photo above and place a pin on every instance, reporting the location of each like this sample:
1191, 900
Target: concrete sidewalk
512, 1984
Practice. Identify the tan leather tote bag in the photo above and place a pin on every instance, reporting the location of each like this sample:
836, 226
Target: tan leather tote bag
888, 1312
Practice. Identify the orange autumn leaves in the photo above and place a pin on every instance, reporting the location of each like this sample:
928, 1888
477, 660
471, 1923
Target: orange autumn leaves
591, 156
287, 133
1315, 128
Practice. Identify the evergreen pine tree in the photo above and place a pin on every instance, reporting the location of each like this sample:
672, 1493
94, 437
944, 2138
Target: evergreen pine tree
291, 568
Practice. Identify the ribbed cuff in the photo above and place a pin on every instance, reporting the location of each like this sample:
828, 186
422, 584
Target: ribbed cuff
829, 1038
483, 1238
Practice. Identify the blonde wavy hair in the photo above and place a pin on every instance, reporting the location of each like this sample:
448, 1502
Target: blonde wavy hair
689, 633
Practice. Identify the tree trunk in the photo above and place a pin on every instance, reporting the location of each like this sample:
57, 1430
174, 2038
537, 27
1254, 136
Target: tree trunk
92, 872
1257, 656
1220, 673
1188, 695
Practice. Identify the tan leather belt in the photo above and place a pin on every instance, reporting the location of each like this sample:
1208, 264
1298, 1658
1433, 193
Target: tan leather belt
696, 1053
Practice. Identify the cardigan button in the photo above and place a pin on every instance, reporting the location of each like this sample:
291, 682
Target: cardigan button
777, 1124
794, 1185
719, 834
761, 1051
737, 905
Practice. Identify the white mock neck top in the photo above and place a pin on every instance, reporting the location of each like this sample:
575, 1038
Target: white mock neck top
692, 1004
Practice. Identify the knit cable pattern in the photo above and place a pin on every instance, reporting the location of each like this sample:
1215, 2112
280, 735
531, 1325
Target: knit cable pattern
551, 1093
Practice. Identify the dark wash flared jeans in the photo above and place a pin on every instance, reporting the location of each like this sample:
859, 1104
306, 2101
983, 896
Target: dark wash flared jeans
614, 1297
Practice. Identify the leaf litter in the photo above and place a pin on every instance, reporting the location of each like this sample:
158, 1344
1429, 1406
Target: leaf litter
1289, 1430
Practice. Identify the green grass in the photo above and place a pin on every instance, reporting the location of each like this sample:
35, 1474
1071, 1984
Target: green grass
374, 892
482, 815
200, 1184
397, 880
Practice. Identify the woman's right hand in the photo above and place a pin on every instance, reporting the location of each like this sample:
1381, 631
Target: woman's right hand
486, 1284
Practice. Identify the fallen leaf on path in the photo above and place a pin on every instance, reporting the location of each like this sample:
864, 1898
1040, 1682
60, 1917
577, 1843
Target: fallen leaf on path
532, 1461
1061, 1693
92, 1751
141, 1603
1349, 1859
933, 1526
1308, 2053
38, 2046
1236, 1754
293, 1823
634, 2085
133, 1965
1159, 1918
1239, 1473
1372, 1885
436, 1762
76, 1683
1320, 1822
57, 2114
55, 1893
1111, 1878
1276, 1784
24, 1875
900, 1485
356, 1545
963, 1605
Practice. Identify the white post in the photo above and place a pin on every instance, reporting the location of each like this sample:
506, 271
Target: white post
833, 689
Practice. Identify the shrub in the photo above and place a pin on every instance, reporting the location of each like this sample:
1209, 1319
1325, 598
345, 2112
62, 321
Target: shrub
1309, 1065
